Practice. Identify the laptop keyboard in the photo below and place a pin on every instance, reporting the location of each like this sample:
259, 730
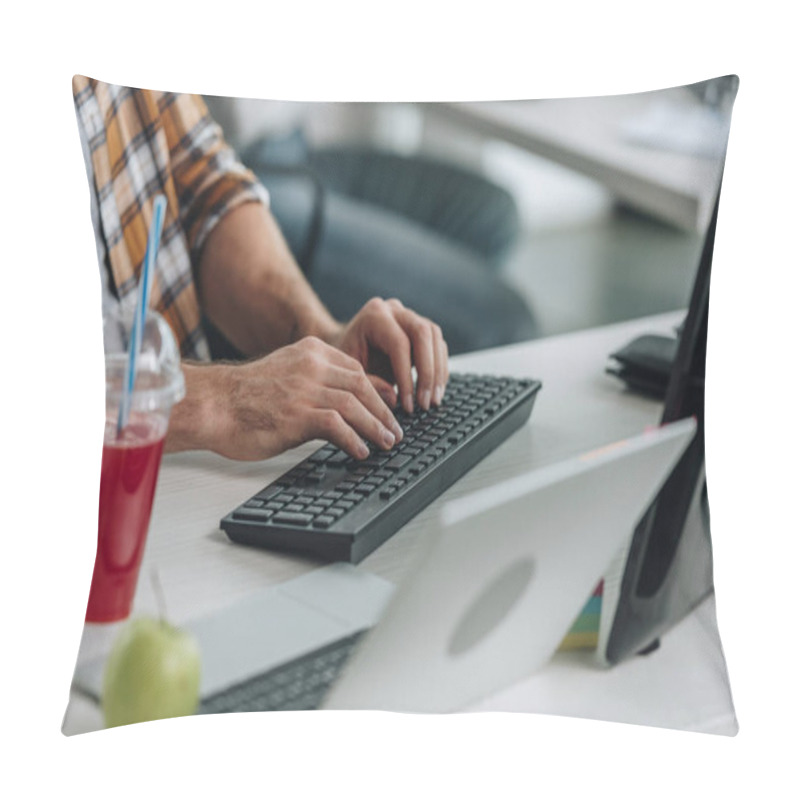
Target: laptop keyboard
334, 507
299, 685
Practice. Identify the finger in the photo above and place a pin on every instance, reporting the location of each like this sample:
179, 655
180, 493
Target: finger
388, 336
420, 331
442, 366
384, 389
358, 417
328, 424
349, 377
363, 388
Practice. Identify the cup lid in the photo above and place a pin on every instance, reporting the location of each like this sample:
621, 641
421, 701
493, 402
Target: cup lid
159, 380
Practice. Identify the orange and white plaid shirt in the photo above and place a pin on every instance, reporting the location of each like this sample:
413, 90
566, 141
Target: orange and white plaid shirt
143, 143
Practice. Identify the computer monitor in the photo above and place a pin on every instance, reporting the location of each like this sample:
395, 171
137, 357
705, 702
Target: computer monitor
668, 570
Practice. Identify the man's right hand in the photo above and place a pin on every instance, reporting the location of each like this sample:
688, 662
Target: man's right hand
304, 391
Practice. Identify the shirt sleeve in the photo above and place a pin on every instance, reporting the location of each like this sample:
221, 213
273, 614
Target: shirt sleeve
209, 179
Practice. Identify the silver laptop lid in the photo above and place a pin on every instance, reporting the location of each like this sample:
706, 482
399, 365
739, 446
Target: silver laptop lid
499, 587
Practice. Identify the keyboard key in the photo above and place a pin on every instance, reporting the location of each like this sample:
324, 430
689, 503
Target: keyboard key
270, 491
398, 462
376, 460
287, 518
324, 521
254, 514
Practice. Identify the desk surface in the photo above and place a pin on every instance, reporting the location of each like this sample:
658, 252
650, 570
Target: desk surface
587, 135
580, 407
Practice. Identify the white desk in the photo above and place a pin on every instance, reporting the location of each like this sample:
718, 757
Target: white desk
586, 135
684, 684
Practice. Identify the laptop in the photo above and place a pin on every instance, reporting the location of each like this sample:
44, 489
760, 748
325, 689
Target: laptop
487, 604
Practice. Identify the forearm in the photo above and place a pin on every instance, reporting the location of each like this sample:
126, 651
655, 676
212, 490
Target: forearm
251, 288
197, 422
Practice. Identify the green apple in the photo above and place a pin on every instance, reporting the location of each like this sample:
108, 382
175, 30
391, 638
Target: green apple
153, 672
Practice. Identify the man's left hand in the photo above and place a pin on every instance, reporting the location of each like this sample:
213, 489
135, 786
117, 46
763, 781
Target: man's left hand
389, 339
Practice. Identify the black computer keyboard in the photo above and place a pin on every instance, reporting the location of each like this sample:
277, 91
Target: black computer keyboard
299, 685
337, 508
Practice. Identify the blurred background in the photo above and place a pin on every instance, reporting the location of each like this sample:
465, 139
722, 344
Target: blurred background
501, 220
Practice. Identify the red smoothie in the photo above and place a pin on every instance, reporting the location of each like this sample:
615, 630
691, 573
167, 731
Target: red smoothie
127, 485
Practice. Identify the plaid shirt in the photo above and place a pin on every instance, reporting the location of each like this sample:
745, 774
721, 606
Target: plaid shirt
144, 143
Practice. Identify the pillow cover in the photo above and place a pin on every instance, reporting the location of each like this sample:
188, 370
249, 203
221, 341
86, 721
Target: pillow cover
540, 236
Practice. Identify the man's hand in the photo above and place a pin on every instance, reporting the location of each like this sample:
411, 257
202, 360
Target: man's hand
387, 339
307, 390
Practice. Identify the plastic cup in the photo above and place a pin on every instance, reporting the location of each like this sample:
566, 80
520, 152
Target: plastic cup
131, 459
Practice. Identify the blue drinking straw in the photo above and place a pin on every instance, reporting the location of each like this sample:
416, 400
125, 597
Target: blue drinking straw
145, 281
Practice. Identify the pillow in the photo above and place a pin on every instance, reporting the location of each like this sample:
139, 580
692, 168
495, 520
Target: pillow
539, 236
